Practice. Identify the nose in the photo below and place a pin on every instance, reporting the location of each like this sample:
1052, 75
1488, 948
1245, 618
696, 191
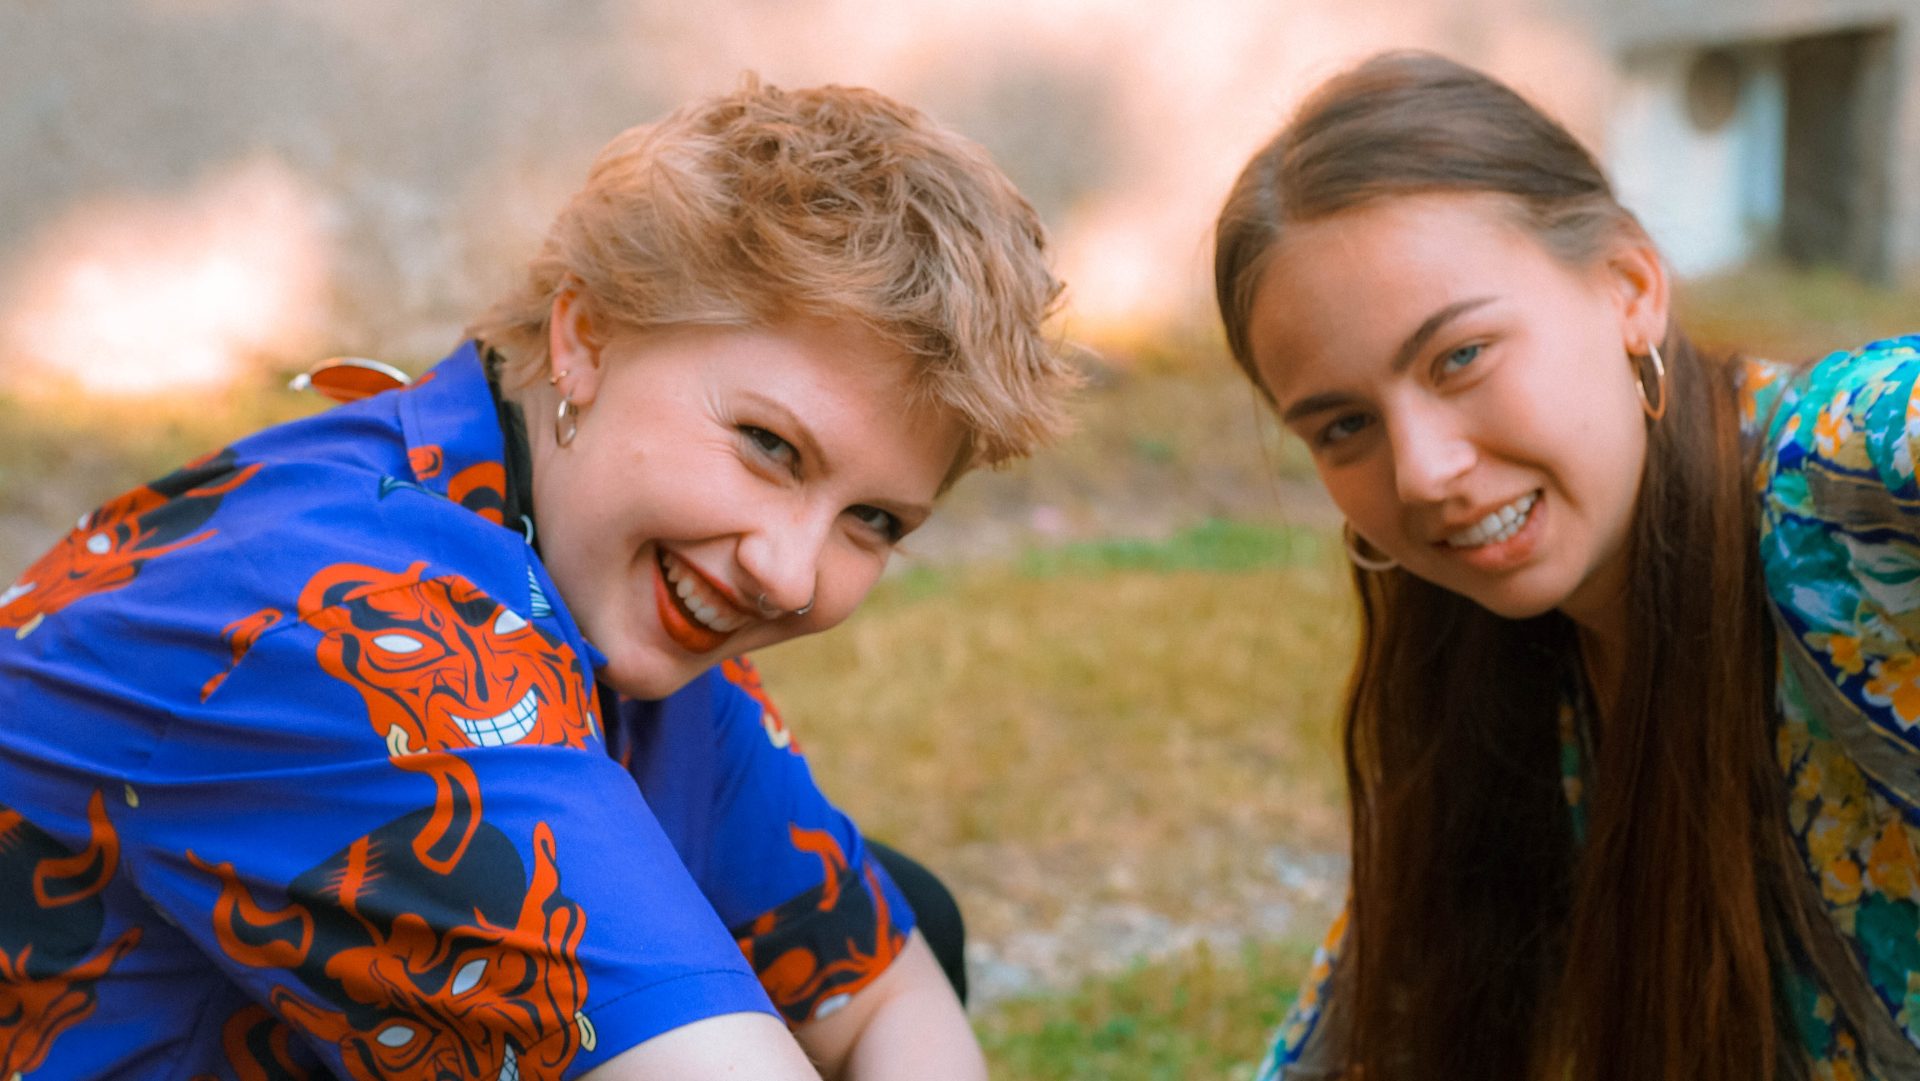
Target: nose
781, 561
1431, 452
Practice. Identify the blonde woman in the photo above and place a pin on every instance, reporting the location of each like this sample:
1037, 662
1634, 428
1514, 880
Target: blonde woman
413, 739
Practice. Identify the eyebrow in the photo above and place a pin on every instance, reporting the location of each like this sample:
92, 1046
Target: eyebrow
796, 431
1402, 357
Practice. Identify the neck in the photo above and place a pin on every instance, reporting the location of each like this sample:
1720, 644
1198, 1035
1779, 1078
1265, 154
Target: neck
1604, 658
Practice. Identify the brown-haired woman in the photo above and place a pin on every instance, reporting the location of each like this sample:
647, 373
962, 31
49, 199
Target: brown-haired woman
1631, 739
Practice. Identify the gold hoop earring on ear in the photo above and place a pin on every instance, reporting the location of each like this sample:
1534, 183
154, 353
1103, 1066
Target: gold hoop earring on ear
1655, 405
1352, 542
566, 421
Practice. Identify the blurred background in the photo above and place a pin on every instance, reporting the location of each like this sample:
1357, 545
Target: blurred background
1123, 756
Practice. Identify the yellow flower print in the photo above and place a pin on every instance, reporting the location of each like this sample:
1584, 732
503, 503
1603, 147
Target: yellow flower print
1756, 378
1841, 881
1891, 865
1896, 683
1826, 840
1844, 649
1806, 784
1834, 426
1846, 1057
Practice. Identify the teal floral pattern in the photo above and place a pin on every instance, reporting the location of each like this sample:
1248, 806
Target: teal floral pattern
1840, 546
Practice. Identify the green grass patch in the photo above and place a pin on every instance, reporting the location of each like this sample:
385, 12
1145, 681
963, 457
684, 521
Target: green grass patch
1205, 1014
1213, 545
1133, 736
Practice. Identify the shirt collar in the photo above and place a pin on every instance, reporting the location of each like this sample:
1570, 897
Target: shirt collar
454, 445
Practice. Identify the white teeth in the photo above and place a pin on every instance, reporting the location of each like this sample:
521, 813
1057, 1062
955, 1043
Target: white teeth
710, 611
509, 727
1498, 526
15, 592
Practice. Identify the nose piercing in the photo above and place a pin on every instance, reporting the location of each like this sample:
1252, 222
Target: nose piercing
769, 611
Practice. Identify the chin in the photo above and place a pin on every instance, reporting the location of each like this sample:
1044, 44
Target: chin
1518, 605
647, 682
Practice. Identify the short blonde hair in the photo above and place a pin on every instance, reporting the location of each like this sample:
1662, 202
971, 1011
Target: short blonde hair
766, 205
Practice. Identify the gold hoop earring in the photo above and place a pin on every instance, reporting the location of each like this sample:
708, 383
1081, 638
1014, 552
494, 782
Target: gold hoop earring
1352, 542
1655, 406
566, 421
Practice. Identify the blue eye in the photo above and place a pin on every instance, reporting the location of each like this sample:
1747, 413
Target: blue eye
1343, 427
1459, 359
882, 523
772, 446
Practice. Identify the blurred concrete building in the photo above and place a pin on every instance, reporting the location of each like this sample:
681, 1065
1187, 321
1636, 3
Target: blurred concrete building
1760, 127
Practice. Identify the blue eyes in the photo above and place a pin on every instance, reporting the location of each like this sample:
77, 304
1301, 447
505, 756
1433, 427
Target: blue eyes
1347, 425
1343, 427
885, 524
1459, 359
785, 456
772, 446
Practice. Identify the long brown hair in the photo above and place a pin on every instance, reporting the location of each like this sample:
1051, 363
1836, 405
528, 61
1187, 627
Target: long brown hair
1484, 940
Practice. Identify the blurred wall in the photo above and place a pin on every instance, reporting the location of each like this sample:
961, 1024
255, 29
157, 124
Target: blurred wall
195, 186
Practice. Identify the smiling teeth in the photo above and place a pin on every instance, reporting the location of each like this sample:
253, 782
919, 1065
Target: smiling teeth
509, 727
707, 609
1496, 527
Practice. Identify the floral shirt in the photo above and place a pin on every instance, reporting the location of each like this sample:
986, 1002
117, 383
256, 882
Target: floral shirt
1840, 546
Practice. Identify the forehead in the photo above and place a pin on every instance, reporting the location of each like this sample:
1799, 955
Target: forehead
1351, 286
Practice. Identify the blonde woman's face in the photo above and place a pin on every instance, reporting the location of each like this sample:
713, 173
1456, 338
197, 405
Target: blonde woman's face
722, 480
1467, 397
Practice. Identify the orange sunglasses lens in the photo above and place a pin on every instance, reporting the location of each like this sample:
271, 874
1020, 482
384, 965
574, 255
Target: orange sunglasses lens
349, 379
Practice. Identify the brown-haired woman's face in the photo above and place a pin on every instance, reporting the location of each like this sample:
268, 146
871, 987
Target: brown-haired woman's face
1467, 397
716, 468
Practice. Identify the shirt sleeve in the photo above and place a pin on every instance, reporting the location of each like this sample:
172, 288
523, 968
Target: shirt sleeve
1840, 542
1310, 1043
395, 824
785, 870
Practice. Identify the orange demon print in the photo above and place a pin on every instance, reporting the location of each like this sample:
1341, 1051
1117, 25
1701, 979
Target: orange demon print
417, 974
50, 960
740, 672
426, 462
442, 666
804, 957
482, 489
111, 543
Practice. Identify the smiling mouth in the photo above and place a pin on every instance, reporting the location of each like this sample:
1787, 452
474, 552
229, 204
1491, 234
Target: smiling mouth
1498, 526
509, 727
696, 599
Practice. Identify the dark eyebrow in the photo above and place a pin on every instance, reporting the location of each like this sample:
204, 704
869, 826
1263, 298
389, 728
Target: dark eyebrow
1409, 349
793, 431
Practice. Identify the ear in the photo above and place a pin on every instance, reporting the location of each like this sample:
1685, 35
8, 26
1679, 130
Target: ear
573, 346
1638, 279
